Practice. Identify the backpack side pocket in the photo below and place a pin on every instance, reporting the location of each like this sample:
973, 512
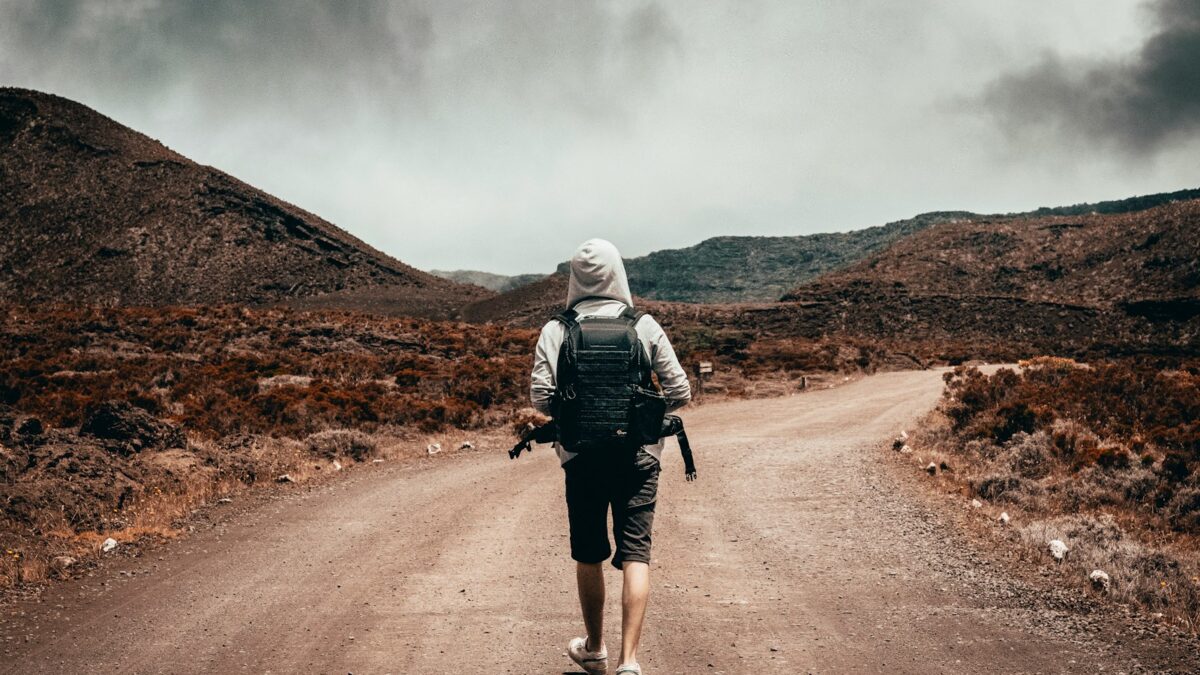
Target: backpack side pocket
646, 412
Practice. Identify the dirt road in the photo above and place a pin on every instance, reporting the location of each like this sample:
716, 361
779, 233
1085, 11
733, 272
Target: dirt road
801, 549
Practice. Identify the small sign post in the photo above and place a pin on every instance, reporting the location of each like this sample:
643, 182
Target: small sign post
704, 371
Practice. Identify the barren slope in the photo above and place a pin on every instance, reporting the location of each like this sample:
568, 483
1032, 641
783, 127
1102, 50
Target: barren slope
93, 211
1123, 260
761, 269
799, 550
528, 305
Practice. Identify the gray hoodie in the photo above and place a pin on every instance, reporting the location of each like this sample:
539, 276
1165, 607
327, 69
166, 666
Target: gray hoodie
599, 287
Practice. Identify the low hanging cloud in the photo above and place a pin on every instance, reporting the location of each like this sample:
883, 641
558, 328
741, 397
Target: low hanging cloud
324, 61
497, 135
1142, 104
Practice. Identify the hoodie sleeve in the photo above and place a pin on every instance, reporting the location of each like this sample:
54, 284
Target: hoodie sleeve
545, 360
671, 375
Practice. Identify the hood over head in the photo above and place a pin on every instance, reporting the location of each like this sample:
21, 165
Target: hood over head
598, 272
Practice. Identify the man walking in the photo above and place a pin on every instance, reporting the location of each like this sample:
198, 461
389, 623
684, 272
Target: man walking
591, 372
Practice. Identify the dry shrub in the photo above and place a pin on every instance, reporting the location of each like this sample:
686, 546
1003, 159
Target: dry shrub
999, 487
1184, 508
1126, 433
342, 443
220, 371
1139, 573
1104, 442
750, 355
1029, 455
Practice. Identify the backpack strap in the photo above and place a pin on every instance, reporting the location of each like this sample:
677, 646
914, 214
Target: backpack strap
567, 317
632, 315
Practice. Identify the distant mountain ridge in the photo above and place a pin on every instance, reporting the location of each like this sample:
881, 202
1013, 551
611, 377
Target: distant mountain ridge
1128, 269
94, 212
1112, 206
761, 269
734, 268
493, 282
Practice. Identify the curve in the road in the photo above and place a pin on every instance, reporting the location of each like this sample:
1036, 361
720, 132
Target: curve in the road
795, 552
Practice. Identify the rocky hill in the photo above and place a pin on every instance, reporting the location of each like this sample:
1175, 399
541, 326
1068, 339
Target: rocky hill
528, 305
94, 212
1144, 261
717, 270
761, 269
1103, 279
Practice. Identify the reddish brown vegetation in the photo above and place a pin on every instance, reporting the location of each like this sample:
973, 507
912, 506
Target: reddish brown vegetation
1140, 261
1105, 457
221, 371
1110, 416
95, 405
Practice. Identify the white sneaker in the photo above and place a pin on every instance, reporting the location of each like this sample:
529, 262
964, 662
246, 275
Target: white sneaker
594, 663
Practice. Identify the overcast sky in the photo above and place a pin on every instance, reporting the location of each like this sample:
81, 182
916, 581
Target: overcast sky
498, 135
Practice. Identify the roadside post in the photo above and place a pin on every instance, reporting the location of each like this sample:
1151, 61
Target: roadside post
703, 372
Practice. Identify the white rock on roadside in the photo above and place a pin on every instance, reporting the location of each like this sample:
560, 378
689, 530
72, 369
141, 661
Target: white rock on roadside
285, 478
931, 469
1099, 580
1058, 549
906, 449
1004, 518
337, 466
109, 545
377, 461
903, 435
976, 504
224, 500
433, 448
467, 445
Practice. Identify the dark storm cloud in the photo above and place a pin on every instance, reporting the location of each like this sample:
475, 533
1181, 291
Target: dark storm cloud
1141, 104
498, 134
381, 56
221, 52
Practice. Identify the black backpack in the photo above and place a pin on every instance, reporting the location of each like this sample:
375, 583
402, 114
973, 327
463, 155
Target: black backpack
604, 396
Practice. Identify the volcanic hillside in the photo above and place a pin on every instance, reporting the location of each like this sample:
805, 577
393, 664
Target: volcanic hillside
1104, 279
761, 269
1145, 261
94, 212
717, 270
528, 305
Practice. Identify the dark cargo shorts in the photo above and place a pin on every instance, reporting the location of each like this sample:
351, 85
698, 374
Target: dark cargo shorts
626, 480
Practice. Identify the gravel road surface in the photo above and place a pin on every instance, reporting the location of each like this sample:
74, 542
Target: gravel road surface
804, 547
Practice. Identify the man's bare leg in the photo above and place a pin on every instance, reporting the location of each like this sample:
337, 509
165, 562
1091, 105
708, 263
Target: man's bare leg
635, 591
590, 578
